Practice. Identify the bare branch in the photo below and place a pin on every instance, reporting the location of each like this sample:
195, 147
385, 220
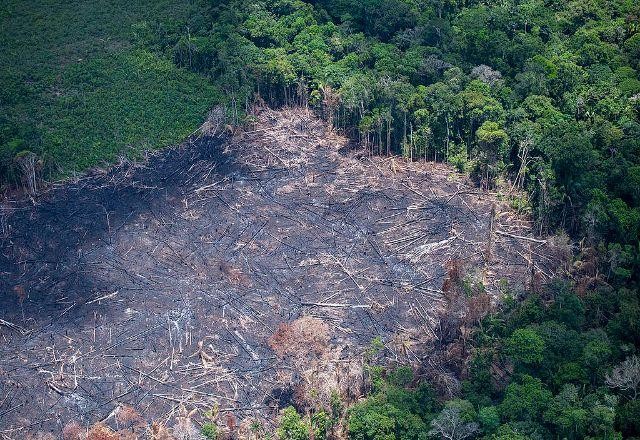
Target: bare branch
626, 376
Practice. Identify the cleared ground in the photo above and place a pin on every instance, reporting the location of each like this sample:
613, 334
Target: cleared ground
249, 272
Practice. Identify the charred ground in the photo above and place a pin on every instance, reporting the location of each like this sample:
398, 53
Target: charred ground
249, 272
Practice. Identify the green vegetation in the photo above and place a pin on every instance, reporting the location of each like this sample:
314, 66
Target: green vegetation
556, 354
392, 411
78, 89
295, 427
210, 430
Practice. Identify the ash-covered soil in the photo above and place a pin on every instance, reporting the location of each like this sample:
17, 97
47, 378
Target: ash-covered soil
248, 273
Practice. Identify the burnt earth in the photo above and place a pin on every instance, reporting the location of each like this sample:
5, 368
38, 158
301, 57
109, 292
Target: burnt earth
241, 272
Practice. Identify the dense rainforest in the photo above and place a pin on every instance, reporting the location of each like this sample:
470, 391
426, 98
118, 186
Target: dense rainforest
537, 98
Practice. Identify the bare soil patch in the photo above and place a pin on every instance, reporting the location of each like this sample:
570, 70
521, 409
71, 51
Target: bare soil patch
247, 273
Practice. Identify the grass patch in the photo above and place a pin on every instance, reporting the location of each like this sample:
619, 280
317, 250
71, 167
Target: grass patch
126, 102
77, 91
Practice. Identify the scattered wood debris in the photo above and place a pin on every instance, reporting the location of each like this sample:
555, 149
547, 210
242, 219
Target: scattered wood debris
240, 274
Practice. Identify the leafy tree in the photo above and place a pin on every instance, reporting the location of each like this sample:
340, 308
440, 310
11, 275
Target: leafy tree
292, 427
393, 411
508, 432
602, 413
628, 418
525, 346
492, 142
596, 353
525, 400
489, 419
567, 413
